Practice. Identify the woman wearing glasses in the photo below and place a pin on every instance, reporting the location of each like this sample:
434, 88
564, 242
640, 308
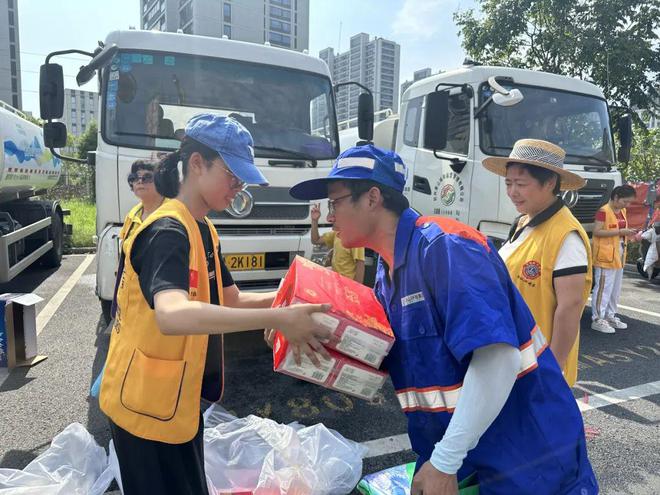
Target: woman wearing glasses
176, 299
141, 182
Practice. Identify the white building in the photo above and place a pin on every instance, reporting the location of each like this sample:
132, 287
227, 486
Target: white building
374, 63
417, 75
283, 23
80, 109
10, 59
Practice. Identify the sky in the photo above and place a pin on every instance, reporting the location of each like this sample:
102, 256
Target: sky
424, 28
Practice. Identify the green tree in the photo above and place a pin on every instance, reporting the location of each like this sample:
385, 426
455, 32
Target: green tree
612, 43
644, 162
86, 142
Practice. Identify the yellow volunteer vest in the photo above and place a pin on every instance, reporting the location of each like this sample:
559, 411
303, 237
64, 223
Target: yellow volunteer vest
152, 382
531, 267
606, 249
133, 220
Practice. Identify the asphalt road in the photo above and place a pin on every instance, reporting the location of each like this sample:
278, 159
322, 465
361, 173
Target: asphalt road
623, 425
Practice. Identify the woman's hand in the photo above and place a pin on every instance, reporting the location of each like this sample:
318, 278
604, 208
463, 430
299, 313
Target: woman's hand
303, 333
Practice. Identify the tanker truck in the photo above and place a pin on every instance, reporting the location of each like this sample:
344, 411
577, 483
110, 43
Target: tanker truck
31, 229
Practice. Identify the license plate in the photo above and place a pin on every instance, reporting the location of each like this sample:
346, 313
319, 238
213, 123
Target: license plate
243, 262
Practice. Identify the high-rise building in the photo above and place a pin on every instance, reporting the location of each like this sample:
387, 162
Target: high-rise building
373, 63
282, 23
10, 60
417, 75
80, 109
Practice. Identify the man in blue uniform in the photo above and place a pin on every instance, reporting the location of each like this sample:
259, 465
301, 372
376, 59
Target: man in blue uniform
481, 390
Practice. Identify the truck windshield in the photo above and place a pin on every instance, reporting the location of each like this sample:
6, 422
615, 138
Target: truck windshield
149, 97
578, 123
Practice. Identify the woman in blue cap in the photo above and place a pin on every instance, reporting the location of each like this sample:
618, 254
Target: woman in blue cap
175, 300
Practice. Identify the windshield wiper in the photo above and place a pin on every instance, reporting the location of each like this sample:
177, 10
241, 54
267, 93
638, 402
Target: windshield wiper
294, 154
594, 158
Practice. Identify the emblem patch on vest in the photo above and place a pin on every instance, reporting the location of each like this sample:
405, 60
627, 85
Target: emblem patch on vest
531, 270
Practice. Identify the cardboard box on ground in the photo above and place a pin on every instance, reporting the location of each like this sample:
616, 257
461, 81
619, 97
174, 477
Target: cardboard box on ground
18, 330
356, 319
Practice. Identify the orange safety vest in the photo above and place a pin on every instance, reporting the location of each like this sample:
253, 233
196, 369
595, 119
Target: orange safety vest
606, 249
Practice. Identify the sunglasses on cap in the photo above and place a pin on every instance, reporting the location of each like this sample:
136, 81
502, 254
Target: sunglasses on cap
147, 178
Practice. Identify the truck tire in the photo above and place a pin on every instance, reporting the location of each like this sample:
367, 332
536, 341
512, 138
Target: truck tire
106, 309
53, 258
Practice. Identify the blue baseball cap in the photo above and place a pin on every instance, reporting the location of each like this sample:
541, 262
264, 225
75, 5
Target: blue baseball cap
358, 162
231, 140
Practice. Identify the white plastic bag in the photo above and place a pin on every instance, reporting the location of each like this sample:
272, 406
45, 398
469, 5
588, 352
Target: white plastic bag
72, 465
261, 456
652, 253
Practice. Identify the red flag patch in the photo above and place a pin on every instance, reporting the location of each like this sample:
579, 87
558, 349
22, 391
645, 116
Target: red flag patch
194, 279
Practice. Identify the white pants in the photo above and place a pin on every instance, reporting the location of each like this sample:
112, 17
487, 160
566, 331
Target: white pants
607, 289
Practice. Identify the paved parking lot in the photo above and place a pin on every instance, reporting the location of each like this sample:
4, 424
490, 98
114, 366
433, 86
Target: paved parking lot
618, 388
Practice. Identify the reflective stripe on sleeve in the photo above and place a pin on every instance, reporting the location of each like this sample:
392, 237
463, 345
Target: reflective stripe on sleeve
444, 399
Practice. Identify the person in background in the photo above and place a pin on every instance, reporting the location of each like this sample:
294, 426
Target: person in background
610, 238
547, 253
175, 302
141, 182
472, 372
346, 262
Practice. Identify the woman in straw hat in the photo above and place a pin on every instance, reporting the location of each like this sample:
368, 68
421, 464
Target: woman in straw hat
547, 252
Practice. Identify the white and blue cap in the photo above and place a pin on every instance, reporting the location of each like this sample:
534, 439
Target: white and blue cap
231, 140
365, 162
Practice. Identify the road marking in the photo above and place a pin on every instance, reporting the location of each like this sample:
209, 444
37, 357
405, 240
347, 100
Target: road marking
636, 310
53, 305
387, 445
400, 443
596, 401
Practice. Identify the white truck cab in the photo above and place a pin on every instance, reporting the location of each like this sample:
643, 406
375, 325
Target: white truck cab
451, 121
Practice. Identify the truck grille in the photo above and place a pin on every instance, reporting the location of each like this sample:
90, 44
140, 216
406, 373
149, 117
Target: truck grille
264, 230
590, 198
271, 203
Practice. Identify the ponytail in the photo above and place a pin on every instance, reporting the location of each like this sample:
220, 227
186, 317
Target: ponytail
166, 175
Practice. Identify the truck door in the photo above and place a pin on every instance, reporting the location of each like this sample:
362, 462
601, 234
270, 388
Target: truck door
408, 138
440, 187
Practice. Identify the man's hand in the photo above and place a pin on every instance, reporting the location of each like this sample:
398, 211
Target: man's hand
315, 212
430, 481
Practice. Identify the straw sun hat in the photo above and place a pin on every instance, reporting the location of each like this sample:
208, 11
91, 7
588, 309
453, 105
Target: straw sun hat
539, 154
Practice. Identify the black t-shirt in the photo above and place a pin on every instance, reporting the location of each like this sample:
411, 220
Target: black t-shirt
160, 257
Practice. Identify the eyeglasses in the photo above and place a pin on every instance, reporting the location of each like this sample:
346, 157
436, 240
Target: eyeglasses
333, 202
236, 183
147, 178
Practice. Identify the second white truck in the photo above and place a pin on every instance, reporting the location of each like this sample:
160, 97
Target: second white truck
448, 123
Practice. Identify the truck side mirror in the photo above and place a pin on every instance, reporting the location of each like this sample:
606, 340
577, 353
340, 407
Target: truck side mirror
51, 91
624, 125
436, 120
365, 117
55, 135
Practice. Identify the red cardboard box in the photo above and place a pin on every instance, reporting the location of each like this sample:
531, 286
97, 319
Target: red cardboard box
356, 317
340, 373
